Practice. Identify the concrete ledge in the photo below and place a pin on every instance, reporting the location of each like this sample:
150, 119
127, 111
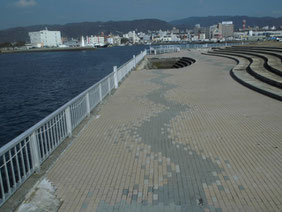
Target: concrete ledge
257, 86
258, 72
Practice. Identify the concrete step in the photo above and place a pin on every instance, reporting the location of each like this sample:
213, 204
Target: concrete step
273, 49
276, 52
191, 60
273, 61
177, 66
240, 74
245, 79
257, 68
183, 62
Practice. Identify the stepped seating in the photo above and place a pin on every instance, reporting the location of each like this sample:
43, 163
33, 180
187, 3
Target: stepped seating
257, 68
183, 62
276, 52
273, 61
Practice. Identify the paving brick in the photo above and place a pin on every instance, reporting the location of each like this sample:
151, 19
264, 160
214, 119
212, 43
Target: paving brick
168, 138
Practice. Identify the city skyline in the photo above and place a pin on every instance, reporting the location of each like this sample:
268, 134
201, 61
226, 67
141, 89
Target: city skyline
32, 12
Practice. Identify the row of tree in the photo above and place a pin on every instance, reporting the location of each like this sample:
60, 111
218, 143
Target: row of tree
12, 45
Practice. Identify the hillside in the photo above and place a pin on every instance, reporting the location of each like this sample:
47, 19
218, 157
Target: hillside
75, 30
237, 20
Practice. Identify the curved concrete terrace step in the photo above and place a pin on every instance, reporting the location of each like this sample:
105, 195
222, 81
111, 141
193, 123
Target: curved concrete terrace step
257, 68
240, 74
189, 59
179, 64
273, 61
259, 47
176, 66
183, 62
267, 61
276, 50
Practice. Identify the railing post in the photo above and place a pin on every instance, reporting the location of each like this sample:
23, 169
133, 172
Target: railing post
35, 152
100, 92
68, 120
87, 104
109, 85
134, 61
115, 77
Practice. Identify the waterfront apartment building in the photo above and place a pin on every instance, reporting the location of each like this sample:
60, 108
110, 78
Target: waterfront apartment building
95, 41
45, 38
132, 36
227, 28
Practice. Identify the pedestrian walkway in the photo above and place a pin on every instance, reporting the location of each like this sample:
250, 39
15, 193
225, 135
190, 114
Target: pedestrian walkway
188, 139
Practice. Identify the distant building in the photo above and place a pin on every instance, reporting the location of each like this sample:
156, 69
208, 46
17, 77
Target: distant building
132, 36
82, 42
117, 40
72, 43
217, 34
201, 30
144, 38
211, 31
227, 28
45, 38
202, 36
110, 40
175, 30
95, 41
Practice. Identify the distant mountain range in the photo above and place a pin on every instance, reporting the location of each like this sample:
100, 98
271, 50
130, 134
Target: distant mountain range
237, 21
75, 30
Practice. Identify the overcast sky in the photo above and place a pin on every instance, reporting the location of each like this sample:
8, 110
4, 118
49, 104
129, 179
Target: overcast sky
31, 12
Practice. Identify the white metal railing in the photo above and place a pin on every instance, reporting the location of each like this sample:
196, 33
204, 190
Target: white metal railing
164, 49
22, 156
209, 45
175, 48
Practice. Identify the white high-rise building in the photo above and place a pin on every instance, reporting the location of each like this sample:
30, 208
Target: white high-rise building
45, 38
227, 28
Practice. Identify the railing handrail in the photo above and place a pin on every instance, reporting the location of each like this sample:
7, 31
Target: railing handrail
35, 127
30, 149
190, 46
123, 65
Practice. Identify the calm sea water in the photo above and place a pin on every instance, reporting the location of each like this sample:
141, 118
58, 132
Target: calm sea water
32, 85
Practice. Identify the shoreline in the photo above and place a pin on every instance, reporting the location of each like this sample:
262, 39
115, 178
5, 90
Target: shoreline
57, 49
48, 50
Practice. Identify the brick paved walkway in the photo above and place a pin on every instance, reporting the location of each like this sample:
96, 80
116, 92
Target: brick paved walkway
189, 139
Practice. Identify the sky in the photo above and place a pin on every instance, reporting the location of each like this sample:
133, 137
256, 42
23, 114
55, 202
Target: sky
14, 13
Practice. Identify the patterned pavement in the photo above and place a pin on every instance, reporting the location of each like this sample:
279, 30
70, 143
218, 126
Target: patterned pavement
189, 139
